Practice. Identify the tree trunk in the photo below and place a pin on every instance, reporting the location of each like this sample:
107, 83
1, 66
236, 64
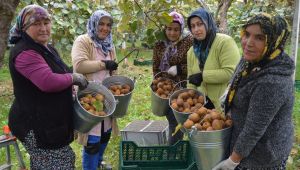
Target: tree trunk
7, 10
224, 6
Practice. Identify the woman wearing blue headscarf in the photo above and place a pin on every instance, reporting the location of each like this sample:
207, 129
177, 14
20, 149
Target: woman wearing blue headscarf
93, 54
212, 58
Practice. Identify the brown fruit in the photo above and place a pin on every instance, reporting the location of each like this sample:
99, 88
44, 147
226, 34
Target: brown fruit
86, 106
190, 101
188, 124
99, 97
180, 109
85, 99
89, 96
113, 87
93, 99
155, 81
207, 118
186, 105
191, 93
228, 123
217, 124
202, 111
163, 96
179, 102
160, 91
117, 92
215, 115
205, 125
187, 110
126, 86
209, 128
194, 117
201, 99
184, 95
124, 91
198, 126
174, 106
160, 85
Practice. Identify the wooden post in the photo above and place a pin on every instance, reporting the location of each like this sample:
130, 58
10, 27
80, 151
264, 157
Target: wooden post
295, 35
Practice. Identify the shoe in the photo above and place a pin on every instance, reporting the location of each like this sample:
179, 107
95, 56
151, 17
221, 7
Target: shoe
105, 166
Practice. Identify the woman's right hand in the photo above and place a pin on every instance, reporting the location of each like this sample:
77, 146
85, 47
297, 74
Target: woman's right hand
79, 80
110, 65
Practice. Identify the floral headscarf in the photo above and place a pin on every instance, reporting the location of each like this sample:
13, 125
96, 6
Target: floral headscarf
28, 15
201, 48
171, 47
106, 44
276, 30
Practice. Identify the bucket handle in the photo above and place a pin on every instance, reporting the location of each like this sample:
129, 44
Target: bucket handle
157, 74
178, 83
193, 131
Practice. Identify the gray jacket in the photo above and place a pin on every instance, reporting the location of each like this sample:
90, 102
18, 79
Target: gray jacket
262, 115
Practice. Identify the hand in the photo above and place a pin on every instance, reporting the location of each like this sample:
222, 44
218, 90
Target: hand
172, 70
196, 79
79, 80
110, 65
227, 164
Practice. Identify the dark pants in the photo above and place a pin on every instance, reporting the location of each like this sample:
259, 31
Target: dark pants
172, 125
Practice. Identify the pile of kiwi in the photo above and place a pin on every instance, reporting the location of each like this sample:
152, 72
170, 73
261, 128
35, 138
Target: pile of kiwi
120, 90
187, 101
207, 120
94, 104
163, 87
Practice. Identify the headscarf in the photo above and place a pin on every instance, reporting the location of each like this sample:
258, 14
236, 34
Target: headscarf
276, 30
171, 47
106, 44
201, 48
28, 15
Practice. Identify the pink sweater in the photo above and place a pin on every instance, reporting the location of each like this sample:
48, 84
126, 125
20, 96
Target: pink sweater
33, 66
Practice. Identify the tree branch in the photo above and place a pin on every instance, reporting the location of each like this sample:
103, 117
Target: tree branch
147, 15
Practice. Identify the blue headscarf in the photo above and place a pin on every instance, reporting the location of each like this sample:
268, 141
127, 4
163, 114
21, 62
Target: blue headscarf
201, 48
106, 44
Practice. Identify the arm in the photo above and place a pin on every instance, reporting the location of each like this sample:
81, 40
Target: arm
191, 61
32, 66
228, 57
82, 58
156, 59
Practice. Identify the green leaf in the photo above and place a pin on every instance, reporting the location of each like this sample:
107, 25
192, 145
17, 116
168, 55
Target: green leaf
133, 26
98, 105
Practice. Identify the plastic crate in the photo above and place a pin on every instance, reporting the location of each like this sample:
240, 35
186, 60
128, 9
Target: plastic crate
146, 132
178, 156
297, 85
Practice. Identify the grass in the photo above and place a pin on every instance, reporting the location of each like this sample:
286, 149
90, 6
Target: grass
139, 109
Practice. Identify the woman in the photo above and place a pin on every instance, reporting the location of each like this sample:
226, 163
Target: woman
170, 56
93, 55
42, 111
261, 98
212, 59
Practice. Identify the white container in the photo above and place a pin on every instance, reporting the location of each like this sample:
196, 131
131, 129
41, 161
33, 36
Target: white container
146, 132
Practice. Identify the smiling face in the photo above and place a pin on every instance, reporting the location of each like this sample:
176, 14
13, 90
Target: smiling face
173, 31
104, 27
253, 43
198, 28
40, 31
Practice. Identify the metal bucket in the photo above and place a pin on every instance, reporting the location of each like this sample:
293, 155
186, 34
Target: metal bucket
210, 147
84, 121
122, 101
160, 106
181, 117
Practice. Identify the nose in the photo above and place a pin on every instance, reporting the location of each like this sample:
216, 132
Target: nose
250, 41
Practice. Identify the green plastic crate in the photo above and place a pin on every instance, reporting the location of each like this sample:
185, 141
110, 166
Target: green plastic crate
178, 156
297, 85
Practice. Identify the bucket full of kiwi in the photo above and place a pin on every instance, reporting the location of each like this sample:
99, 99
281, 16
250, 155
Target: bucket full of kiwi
209, 133
91, 106
122, 88
162, 87
185, 101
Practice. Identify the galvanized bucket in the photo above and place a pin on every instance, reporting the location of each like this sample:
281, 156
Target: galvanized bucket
85, 121
181, 117
210, 147
122, 101
160, 106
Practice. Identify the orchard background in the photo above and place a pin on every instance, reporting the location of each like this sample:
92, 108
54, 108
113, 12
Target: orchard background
138, 24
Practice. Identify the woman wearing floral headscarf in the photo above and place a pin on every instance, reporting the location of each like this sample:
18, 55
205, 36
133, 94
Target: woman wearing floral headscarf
261, 97
42, 111
93, 54
169, 56
212, 59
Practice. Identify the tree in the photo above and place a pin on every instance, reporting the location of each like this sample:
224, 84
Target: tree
7, 10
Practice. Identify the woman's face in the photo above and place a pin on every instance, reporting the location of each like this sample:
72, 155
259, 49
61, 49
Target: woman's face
253, 43
198, 28
173, 31
104, 27
40, 31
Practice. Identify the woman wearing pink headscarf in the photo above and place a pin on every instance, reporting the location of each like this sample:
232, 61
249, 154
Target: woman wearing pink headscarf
170, 55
